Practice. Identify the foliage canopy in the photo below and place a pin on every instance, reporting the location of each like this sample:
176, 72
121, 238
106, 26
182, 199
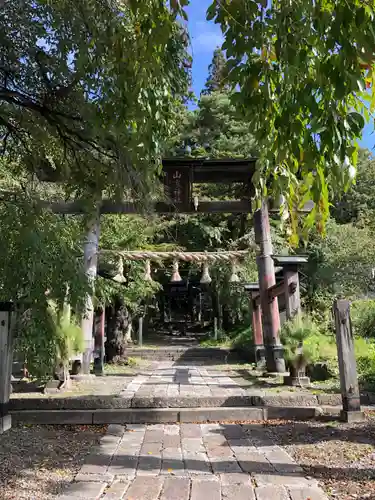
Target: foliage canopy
300, 70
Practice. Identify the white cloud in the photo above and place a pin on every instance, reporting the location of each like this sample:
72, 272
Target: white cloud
207, 41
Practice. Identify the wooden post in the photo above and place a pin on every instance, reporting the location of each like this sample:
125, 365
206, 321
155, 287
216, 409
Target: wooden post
270, 308
215, 328
99, 344
6, 361
140, 331
90, 266
260, 359
292, 292
351, 411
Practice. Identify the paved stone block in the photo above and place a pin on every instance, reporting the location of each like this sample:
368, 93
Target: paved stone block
283, 462
95, 464
211, 429
271, 493
172, 466
117, 490
220, 451
234, 431
225, 465
94, 478
144, 488
135, 428
241, 446
110, 439
171, 430
171, 441
238, 492
153, 436
84, 491
197, 463
192, 445
202, 489
151, 448
191, 431
284, 480
149, 465
290, 412
212, 440
171, 454
235, 478
115, 430
255, 463
176, 489
124, 465
307, 493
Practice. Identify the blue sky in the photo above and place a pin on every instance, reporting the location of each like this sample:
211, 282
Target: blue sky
206, 36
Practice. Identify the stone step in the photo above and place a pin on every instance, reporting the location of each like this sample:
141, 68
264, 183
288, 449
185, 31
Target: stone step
177, 353
163, 415
190, 400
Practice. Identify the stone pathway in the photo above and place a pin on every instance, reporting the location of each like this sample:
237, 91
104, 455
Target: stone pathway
190, 462
165, 380
165, 385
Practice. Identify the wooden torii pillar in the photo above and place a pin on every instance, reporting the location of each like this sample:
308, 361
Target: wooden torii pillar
270, 309
256, 312
290, 265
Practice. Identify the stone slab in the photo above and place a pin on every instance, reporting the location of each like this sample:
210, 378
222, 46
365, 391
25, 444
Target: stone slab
220, 414
237, 492
94, 478
307, 493
115, 430
146, 415
144, 488
123, 465
287, 399
117, 490
230, 479
84, 491
271, 492
290, 412
352, 416
176, 489
202, 489
53, 417
284, 480
255, 462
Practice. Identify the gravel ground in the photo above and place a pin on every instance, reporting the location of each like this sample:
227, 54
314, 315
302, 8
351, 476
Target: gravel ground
341, 456
37, 461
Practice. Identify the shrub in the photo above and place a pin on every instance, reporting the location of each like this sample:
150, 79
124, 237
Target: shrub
363, 318
304, 343
242, 341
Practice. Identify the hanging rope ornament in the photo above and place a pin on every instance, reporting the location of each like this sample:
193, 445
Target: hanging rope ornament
120, 278
147, 275
175, 273
234, 278
206, 278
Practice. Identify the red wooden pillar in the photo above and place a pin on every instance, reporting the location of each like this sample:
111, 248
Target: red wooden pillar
270, 308
258, 332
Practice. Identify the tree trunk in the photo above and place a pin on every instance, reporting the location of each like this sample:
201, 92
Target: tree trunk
118, 325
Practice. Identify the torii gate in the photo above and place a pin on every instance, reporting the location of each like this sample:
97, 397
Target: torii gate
179, 176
